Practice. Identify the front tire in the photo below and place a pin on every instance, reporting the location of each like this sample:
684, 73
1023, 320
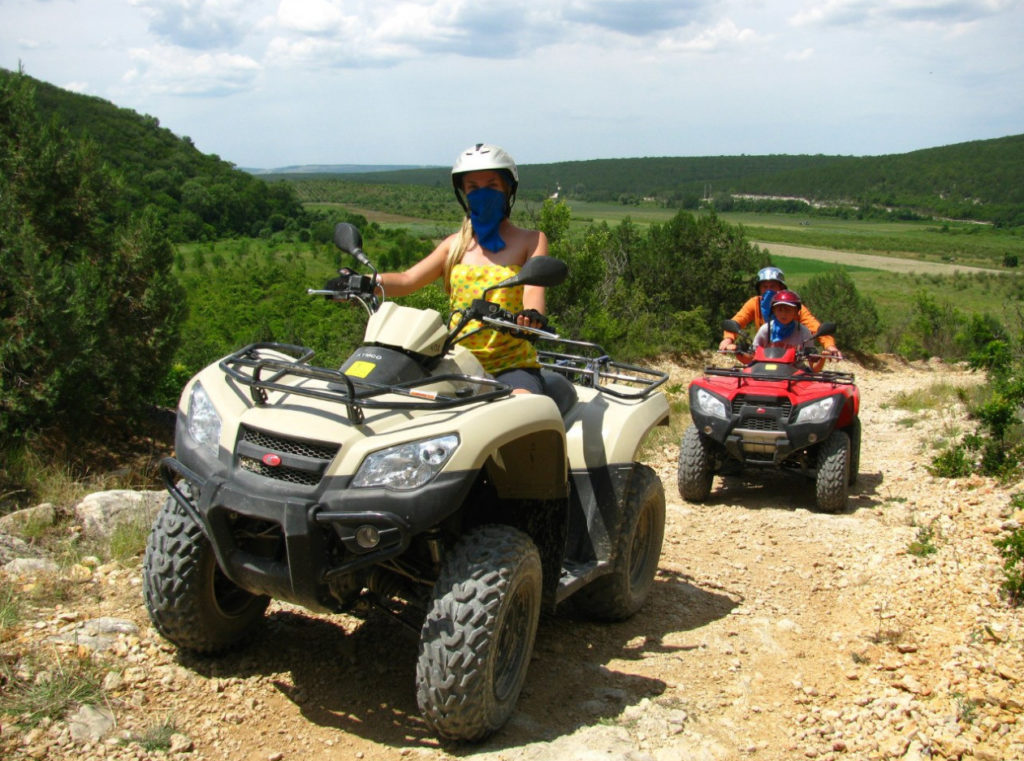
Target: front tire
620, 594
189, 599
854, 451
833, 479
695, 466
477, 639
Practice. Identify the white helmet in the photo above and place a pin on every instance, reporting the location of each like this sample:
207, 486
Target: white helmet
770, 273
481, 157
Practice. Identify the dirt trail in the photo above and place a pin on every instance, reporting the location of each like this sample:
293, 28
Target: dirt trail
773, 633
873, 261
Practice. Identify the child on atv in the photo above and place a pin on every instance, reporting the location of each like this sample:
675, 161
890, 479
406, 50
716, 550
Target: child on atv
784, 329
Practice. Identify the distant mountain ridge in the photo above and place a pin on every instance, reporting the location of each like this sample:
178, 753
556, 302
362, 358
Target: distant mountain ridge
334, 169
981, 180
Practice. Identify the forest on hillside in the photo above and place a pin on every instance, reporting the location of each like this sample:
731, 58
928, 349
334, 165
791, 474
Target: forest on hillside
980, 180
195, 196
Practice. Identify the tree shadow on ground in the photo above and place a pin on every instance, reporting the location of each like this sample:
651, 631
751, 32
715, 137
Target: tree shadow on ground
358, 677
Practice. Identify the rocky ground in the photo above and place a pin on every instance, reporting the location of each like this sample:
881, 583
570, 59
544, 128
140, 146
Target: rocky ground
773, 633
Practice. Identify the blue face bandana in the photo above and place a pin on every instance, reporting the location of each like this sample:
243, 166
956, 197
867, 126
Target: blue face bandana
781, 332
766, 306
486, 210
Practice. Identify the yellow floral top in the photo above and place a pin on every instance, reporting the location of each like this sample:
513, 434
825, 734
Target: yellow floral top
496, 351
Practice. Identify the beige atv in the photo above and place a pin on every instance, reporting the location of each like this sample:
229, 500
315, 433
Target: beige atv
411, 482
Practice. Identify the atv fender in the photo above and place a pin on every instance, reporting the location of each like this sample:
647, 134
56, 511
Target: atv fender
604, 430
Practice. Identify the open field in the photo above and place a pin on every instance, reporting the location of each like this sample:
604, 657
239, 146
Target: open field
965, 243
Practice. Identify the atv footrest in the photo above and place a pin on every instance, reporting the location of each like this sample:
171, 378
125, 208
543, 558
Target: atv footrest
576, 575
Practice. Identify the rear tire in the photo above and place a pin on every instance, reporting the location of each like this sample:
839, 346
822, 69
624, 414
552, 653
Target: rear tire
832, 483
189, 599
477, 639
695, 471
621, 593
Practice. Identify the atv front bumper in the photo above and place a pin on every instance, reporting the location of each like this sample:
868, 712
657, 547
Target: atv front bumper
291, 542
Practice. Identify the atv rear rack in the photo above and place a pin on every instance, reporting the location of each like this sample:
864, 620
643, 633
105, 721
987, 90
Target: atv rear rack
247, 366
598, 370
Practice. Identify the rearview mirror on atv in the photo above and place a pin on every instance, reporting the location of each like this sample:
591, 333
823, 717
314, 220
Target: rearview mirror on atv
826, 329
540, 270
732, 326
348, 238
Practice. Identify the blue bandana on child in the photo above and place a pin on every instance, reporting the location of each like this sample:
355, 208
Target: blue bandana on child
486, 210
780, 332
766, 306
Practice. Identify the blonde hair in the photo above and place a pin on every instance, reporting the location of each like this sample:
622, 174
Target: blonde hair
458, 249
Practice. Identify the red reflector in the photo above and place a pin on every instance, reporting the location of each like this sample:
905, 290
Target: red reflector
761, 410
271, 459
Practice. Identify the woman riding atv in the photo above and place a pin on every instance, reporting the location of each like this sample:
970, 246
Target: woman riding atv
486, 250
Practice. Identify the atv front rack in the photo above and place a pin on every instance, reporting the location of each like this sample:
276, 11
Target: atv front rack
247, 366
823, 376
591, 367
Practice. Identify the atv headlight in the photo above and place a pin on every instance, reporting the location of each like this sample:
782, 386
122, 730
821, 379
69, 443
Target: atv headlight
711, 405
407, 466
202, 421
816, 412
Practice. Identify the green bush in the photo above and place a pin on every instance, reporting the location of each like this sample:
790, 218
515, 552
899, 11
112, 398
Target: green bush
89, 309
666, 289
1011, 547
833, 297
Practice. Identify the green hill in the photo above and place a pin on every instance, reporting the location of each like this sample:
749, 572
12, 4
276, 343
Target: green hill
198, 196
980, 180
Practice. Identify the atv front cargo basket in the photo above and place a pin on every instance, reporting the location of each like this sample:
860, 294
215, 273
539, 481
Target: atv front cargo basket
253, 367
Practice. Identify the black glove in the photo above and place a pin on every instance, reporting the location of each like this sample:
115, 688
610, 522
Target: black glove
340, 283
535, 316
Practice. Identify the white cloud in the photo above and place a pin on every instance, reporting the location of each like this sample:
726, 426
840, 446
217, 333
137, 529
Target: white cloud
871, 13
724, 35
315, 17
800, 55
199, 24
166, 71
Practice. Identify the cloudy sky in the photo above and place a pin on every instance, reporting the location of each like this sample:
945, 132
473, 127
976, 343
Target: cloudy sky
271, 83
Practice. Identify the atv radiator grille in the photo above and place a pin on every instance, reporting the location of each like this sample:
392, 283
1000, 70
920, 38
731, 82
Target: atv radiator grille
314, 457
774, 418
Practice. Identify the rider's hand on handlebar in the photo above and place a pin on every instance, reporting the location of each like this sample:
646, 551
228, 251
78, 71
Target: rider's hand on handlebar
531, 318
341, 282
349, 281
727, 344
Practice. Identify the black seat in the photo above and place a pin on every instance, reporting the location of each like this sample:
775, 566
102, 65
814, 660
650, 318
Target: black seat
558, 387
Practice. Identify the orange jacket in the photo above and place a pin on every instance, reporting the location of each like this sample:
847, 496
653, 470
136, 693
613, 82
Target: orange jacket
750, 312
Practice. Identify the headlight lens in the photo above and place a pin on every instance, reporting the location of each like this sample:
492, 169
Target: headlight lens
407, 466
711, 405
816, 412
203, 422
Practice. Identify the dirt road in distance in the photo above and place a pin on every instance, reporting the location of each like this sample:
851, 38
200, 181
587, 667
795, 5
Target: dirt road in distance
874, 261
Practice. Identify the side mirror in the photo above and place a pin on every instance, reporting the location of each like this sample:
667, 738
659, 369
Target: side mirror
540, 270
348, 238
732, 326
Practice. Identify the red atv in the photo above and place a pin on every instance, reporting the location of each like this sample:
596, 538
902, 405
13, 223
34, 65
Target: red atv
775, 412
